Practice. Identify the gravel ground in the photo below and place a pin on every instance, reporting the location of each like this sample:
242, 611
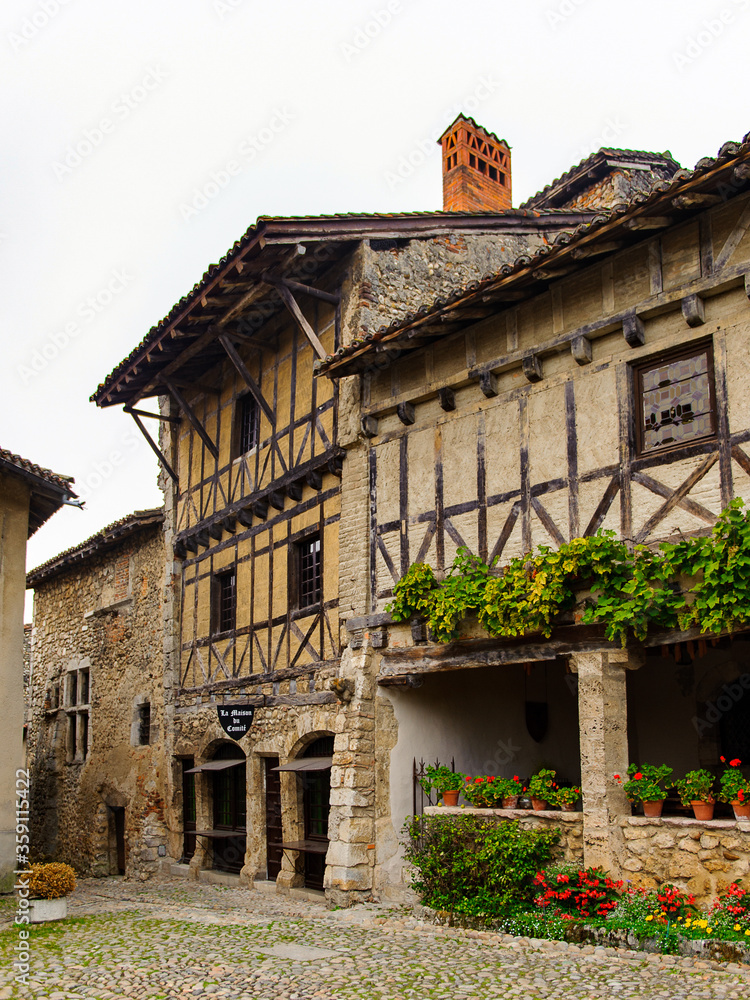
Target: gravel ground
177, 939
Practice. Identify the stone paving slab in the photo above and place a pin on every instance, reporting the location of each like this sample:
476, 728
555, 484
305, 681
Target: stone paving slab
172, 940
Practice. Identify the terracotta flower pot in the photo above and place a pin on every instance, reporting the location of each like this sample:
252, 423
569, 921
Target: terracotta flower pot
741, 810
568, 807
653, 809
538, 804
451, 798
703, 810
510, 802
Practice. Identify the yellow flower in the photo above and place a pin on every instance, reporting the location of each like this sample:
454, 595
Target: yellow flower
748, 933
688, 922
649, 917
710, 930
737, 927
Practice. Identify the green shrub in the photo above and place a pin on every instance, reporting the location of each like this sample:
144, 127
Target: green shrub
467, 864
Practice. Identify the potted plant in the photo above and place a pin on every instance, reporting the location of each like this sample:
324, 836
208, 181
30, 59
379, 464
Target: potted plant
696, 789
542, 788
479, 791
49, 886
566, 798
645, 786
511, 789
448, 783
735, 788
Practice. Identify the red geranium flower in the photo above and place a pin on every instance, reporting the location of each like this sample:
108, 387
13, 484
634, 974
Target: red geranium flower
638, 775
735, 763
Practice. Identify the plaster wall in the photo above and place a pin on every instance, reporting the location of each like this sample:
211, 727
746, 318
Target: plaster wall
14, 524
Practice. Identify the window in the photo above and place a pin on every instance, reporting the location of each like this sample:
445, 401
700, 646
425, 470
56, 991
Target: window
248, 424
144, 724
675, 399
77, 684
308, 571
224, 602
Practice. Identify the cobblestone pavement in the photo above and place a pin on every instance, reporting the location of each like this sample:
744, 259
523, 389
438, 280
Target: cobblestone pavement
177, 939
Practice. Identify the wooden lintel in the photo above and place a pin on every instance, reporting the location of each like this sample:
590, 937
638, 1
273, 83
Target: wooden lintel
580, 348
405, 412
447, 398
532, 367
291, 303
250, 382
154, 416
154, 447
633, 330
648, 222
190, 414
693, 310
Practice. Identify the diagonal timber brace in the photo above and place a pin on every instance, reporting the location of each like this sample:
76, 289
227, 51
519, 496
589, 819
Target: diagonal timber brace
250, 382
153, 445
192, 417
291, 303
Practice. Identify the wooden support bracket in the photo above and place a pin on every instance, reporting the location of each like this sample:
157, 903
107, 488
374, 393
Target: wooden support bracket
532, 368
260, 509
693, 310
580, 348
696, 199
314, 480
294, 491
648, 222
250, 382
192, 417
203, 538
180, 549
245, 517
291, 303
276, 500
488, 384
447, 399
406, 413
229, 524
369, 426
154, 447
216, 530
633, 330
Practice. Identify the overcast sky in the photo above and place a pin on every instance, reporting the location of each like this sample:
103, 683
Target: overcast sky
121, 120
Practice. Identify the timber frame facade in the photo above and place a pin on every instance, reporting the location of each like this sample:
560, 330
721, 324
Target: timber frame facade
322, 428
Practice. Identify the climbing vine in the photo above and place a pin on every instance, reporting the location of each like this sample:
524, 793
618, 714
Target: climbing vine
697, 582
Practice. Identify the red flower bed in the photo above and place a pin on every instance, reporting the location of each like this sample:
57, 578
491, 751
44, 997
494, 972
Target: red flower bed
585, 892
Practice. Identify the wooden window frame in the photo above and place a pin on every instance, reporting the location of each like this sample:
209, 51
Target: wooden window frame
656, 361
217, 601
296, 574
243, 401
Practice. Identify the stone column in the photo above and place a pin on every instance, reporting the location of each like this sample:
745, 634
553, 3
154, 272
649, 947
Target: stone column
602, 723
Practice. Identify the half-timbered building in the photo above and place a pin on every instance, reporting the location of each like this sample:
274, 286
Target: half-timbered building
599, 382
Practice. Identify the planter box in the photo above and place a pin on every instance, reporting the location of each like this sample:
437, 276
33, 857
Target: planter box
42, 910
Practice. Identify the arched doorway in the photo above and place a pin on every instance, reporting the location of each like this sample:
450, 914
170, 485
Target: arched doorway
316, 794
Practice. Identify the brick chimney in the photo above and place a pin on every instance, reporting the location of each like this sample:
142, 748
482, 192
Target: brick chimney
476, 169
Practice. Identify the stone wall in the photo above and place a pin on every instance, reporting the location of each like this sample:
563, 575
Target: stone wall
701, 858
103, 616
570, 825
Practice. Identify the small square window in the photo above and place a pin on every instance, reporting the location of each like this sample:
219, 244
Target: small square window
675, 399
248, 424
309, 571
224, 602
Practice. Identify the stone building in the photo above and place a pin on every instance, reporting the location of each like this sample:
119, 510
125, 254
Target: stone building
599, 382
95, 746
29, 496
277, 737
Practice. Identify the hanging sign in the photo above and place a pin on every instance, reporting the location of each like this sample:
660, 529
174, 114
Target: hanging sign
235, 719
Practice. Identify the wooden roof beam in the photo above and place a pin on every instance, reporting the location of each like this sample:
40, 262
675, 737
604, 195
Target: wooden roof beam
291, 303
154, 446
192, 417
248, 379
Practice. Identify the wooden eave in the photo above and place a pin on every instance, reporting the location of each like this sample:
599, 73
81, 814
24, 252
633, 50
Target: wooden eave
670, 203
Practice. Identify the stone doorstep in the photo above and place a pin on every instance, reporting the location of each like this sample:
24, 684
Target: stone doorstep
211, 877
557, 814
685, 821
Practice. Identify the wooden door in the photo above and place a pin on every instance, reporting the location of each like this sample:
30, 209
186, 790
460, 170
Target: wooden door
188, 809
273, 819
118, 819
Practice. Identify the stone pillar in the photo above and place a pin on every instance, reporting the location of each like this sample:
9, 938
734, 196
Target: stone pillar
351, 854
14, 523
603, 729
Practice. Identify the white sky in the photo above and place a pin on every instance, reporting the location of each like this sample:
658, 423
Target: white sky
159, 94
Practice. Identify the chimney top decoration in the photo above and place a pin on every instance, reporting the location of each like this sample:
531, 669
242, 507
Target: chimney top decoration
476, 169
